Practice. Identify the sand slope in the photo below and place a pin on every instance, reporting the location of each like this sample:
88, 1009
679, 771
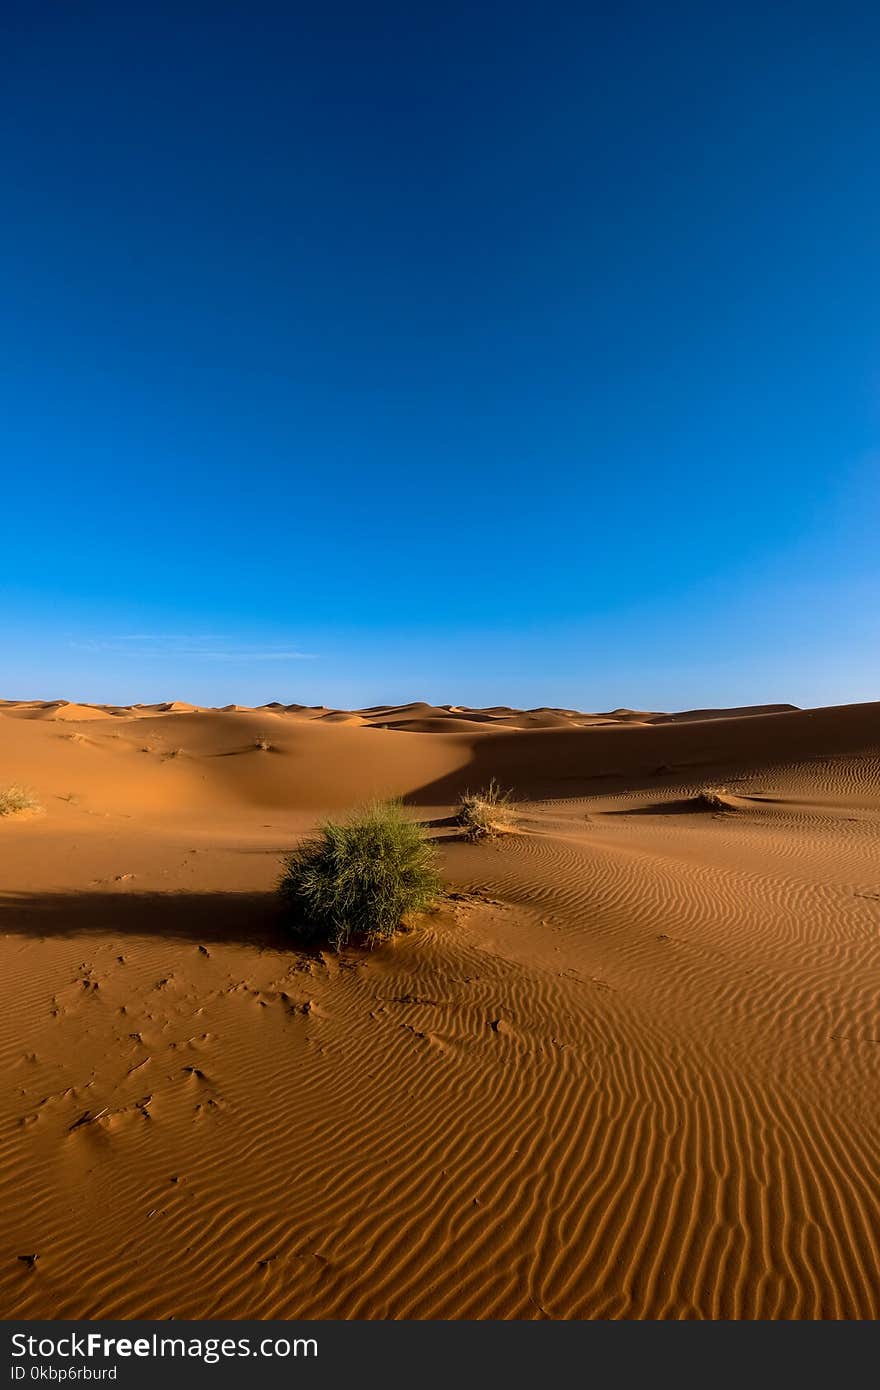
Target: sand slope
629, 1069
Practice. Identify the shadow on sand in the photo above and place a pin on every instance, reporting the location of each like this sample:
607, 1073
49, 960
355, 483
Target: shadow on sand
203, 919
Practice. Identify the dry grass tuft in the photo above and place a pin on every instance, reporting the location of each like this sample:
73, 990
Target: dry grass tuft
14, 800
713, 798
487, 812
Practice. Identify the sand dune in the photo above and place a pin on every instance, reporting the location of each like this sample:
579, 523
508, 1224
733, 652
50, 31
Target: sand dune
54, 709
416, 717
629, 1068
700, 714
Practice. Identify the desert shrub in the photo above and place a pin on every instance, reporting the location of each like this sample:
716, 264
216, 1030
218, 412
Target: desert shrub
262, 743
15, 799
486, 812
360, 877
713, 798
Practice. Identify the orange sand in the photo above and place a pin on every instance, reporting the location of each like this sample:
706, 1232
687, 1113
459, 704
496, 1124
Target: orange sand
629, 1069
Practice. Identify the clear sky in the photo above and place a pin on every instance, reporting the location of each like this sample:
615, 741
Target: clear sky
522, 353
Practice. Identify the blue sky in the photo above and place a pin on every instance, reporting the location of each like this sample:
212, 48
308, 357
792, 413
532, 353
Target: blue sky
472, 353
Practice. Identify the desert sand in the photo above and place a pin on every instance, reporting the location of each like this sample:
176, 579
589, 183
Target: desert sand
628, 1069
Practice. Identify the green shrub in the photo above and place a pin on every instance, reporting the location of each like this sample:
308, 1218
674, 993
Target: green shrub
15, 799
487, 812
360, 877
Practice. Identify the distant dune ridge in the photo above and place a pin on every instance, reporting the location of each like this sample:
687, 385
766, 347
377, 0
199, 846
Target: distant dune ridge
629, 1068
386, 716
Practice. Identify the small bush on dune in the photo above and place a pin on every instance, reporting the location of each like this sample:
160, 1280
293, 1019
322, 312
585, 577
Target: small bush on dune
487, 812
15, 799
713, 798
360, 877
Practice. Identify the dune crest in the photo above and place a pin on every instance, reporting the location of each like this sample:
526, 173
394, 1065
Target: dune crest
417, 717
